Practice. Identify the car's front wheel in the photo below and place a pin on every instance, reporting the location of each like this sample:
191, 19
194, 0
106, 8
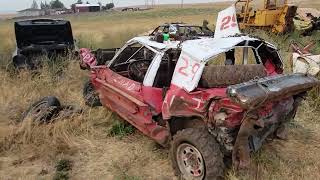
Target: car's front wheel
196, 155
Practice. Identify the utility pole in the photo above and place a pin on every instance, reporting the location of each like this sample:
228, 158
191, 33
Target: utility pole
181, 3
153, 3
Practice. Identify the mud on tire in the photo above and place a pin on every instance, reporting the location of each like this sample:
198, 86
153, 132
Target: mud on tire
91, 97
198, 145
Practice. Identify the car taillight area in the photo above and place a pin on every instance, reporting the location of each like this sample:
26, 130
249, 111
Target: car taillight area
224, 113
235, 127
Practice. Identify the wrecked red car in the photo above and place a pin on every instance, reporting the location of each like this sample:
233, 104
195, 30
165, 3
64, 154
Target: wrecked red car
208, 99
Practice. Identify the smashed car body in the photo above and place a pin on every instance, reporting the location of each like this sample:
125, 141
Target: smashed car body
209, 98
41, 37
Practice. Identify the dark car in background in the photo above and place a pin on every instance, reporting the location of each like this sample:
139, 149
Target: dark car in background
182, 29
41, 38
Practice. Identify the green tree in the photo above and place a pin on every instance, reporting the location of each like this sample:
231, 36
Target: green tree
41, 5
109, 6
34, 5
56, 4
79, 2
44, 5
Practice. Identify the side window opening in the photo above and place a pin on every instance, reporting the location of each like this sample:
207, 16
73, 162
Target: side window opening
166, 69
269, 55
234, 57
128, 52
271, 4
133, 62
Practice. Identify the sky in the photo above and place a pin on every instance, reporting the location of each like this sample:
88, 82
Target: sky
11, 6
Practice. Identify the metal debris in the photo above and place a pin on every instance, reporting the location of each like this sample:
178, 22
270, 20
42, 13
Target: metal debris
303, 61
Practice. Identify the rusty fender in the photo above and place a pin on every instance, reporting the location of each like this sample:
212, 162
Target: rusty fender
241, 150
261, 127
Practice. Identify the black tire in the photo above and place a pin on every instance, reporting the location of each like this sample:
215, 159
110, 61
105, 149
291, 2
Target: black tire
43, 110
211, 159
90, 95
21, 62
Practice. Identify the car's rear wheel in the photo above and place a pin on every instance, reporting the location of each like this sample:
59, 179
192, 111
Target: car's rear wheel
196, 155
90, 95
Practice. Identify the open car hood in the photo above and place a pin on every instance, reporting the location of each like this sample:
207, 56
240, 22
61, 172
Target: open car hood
43, 32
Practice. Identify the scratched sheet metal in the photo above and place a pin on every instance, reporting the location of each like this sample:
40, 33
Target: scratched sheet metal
251, 94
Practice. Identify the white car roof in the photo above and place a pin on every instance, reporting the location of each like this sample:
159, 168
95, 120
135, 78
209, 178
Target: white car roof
145, 40
204, 49
200, 49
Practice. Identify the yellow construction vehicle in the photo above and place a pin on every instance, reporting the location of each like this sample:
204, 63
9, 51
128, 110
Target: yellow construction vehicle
276, 15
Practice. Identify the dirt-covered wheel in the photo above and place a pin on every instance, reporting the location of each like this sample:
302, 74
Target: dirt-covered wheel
90, 95
43, 110
196, 155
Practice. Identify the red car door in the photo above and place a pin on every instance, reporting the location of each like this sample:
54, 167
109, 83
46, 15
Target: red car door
130, 100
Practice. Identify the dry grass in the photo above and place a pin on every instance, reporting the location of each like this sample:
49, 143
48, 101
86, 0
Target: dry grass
295, 159
30, 151
7, 16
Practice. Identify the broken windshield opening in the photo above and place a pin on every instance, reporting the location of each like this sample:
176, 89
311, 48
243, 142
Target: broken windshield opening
133, 62
236, 56
235, 66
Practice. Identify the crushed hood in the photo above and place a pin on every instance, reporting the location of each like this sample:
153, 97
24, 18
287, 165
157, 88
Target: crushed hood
43, 32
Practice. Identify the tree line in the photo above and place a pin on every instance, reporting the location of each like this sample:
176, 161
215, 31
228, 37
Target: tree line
53, 4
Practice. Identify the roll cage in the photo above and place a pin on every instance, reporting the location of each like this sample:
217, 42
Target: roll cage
183, 29
161, 51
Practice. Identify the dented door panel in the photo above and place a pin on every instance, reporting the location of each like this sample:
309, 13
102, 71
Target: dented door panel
154, 98
178, 102
128, 99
